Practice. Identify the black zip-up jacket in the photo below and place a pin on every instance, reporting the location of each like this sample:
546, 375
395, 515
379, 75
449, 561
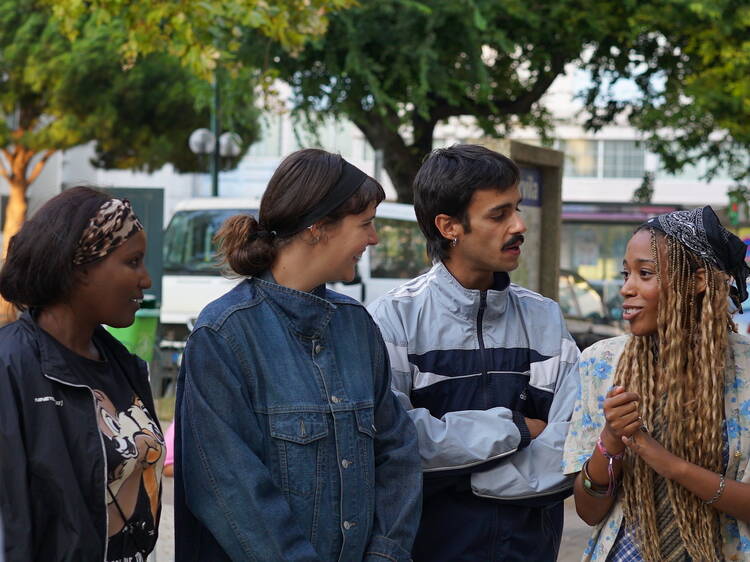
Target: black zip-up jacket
52, 463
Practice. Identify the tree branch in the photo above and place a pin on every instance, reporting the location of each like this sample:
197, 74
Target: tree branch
5, 171
518, 106
39, 166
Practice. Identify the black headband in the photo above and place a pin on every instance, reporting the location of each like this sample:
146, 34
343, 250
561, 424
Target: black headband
700, 231
350, 180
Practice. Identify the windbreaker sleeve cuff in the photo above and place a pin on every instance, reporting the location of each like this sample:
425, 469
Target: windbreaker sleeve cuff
523, 429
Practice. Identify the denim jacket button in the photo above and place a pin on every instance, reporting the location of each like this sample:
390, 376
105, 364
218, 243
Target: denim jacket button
318, 348
348, 525
346, 463
335, 399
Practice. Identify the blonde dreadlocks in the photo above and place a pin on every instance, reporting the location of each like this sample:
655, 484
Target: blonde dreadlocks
679, 375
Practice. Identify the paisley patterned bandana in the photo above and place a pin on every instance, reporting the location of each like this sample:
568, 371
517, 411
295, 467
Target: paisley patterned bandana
112, 225
700, 231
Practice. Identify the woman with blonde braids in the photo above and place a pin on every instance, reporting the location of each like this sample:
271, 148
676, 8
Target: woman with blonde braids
660, 435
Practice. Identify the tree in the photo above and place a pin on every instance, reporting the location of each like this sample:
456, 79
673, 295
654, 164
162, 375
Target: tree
197, 32
691, 63
644, 192
397, 68
56, 94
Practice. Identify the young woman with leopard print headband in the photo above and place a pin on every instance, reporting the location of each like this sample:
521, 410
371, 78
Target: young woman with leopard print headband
82, 450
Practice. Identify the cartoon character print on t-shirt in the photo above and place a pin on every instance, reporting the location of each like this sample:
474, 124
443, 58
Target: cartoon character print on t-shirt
140, 446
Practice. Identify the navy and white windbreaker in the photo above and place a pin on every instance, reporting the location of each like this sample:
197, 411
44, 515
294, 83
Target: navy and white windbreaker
469, 366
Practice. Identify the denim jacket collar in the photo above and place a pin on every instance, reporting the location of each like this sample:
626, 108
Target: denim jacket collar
308, 313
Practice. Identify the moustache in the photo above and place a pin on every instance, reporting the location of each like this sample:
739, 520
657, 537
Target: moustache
516, 240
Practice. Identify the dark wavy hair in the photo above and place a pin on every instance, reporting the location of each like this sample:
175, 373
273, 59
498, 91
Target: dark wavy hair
38, 270
299, 183
446, 182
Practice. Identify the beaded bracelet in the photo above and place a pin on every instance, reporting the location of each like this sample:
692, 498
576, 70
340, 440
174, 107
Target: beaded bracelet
610, 465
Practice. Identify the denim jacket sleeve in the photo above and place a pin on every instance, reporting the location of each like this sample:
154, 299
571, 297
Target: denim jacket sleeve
226, 485
398, 473
537, 470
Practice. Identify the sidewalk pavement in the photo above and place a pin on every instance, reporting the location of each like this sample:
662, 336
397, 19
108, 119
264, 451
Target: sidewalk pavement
575, 534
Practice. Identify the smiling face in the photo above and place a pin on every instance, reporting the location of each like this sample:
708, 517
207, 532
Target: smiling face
345, 242
641, 289
110, 291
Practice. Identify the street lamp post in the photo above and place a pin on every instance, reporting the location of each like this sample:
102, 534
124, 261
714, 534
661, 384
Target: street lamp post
227, 145
215, 131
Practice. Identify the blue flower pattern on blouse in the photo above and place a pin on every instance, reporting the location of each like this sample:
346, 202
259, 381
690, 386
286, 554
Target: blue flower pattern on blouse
602, 369
597, 367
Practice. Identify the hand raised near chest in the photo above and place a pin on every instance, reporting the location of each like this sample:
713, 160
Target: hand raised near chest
622, 415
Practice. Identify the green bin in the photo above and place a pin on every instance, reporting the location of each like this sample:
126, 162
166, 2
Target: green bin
140, 336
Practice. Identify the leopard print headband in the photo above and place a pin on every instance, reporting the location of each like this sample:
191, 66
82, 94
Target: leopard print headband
112, 225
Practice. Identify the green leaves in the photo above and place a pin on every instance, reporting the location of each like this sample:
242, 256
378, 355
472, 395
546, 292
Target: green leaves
57, 92
691, 61
397, 68
199, 32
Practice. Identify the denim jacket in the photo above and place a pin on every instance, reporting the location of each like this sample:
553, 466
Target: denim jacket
289, 442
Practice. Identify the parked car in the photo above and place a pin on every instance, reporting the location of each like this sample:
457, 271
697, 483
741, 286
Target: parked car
587, 317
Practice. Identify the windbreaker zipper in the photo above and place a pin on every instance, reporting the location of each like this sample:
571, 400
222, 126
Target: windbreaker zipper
104, 457
482, 351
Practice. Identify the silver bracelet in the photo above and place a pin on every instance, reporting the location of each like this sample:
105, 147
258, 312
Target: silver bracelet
719, 491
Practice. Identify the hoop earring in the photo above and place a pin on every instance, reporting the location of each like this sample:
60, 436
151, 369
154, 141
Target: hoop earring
454, 241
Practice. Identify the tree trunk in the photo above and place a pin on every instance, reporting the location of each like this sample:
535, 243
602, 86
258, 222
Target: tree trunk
20, 174
15, 213
400, 160
402, 166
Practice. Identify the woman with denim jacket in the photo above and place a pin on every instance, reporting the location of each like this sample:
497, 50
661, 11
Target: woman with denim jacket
289, 443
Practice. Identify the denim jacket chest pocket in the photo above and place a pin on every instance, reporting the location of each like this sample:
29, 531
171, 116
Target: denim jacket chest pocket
299, 438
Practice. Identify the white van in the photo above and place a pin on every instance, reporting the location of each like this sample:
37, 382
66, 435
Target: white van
191, 278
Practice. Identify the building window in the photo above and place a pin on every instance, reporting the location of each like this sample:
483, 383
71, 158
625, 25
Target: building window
581, 157
623, 159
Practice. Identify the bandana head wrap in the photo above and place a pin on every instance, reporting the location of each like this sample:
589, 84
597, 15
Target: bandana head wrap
700, 231
108, 229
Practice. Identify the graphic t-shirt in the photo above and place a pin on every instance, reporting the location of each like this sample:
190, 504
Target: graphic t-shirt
134, 449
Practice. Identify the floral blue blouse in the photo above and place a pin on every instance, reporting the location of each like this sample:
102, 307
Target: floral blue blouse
597, 367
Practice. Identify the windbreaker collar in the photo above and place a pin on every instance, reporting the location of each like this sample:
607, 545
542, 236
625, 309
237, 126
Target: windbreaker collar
467, 301
54, 366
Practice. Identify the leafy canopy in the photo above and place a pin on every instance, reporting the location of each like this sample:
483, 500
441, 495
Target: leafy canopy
199, 32
56, 93
397, 68
691, 63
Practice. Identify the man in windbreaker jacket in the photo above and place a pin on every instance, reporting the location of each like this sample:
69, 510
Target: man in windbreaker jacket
486, 369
